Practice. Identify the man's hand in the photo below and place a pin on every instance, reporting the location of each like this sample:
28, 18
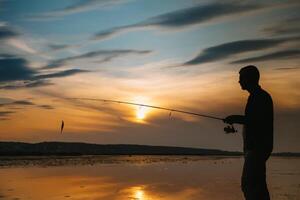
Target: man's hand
234, 119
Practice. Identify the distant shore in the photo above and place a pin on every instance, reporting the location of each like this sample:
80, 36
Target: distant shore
79, 149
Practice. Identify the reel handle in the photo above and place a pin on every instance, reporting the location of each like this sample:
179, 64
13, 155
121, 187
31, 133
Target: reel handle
229, 129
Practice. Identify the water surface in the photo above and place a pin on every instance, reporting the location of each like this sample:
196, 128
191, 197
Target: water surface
139, 178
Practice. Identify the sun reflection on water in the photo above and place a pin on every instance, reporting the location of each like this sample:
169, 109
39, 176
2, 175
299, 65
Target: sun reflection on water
138, 193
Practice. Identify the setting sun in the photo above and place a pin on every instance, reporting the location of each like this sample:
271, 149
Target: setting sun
140, 113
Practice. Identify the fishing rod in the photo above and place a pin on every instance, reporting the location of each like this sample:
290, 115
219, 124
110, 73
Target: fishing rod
228, 129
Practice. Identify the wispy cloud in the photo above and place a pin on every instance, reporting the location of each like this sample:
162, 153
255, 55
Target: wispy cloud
103, 55
38, 83
58, 47
286, 54
59, 74
5, 113
20, 44
46, 107
13, 104
26, 84
286, 68
17, 102
7, 32
184, 17
13, 69
79, 7
13, 37
288, 26
23, 102
15, 73
227, 50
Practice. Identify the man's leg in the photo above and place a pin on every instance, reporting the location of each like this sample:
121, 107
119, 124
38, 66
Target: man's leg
247, 177
264, 192
254, 184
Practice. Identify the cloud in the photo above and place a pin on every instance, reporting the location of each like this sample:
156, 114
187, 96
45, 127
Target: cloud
26, 84
12, 37
17, 102
4, 118
21, 45
7, 32
109, 53
197, 14
46, 107
13, 69
184, 17
15, 73
5, 113
104, 55
227, 50
286, 68
286, 26
79, 7
5, 100
13, 102
3, 56
38, 83
40, 80
272, 56
55, 64
23, 102
58, 47
59, 74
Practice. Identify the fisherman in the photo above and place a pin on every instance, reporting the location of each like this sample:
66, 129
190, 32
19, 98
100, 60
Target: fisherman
257, 134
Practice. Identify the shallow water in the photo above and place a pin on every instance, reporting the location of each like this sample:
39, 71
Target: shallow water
139, 178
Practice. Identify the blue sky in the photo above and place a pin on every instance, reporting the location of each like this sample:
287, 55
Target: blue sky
181, 54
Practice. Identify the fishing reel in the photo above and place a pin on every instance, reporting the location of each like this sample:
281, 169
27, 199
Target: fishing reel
229, 129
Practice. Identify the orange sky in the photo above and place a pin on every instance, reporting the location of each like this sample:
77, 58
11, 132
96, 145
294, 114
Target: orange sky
155, 59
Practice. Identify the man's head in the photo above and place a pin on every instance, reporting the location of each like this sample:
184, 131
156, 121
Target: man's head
249, 77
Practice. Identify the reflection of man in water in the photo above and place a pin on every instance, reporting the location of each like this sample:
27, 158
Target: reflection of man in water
257, 134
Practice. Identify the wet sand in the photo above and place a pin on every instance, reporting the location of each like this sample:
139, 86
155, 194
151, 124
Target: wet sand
139, 178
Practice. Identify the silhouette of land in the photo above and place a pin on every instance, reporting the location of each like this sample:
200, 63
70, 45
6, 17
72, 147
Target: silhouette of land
73, 149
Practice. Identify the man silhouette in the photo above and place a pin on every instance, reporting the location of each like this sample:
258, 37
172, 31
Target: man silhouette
257, 134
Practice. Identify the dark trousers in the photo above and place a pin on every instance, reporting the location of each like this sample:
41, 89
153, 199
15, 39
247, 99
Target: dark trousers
254, 185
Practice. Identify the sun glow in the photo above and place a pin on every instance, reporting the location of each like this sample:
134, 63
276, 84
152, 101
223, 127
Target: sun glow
141, 113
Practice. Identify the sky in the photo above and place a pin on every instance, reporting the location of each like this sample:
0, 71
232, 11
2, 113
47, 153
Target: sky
181, 54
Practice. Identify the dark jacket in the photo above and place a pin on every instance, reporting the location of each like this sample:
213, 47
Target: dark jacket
258, 127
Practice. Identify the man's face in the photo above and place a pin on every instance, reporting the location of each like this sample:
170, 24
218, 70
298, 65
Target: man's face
243, 82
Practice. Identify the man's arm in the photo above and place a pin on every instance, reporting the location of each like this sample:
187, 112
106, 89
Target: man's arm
235, 119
